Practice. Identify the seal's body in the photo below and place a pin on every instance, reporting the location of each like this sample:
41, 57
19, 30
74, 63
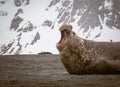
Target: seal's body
81, 56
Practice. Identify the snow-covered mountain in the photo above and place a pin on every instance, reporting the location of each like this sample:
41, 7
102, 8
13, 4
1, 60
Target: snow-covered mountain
32, 26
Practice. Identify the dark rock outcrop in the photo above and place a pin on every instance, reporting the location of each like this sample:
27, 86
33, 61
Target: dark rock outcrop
47, 23
89, 13
18, 3
4, 48
36, 38
44, 53
28, 27
53, 3
20, 11
15, 23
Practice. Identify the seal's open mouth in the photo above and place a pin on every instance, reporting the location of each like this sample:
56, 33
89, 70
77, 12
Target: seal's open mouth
63, 37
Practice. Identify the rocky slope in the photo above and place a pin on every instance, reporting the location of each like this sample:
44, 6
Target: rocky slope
30, 27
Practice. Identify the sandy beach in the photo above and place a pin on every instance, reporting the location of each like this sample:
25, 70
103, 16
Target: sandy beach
46, 70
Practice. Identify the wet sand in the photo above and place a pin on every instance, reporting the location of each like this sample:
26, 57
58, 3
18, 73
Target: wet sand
47, 71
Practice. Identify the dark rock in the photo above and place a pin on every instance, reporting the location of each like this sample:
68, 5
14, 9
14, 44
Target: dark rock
11, 50
26, 45
27, 2
28, 27
53, 3
18, 3
44, 53
4, 48
36, 38
66, 3
19, 48
19, 30
2, 2
15, 23
61, 11
18, 44
98, 35
62, 19
78, 5
47, 23
89, 13
112, 14
20, 11
19, 36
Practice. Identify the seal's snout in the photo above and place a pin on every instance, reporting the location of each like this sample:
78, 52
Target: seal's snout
64, 29
65, 32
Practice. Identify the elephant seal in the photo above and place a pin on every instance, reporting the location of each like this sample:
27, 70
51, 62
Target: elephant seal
81, 56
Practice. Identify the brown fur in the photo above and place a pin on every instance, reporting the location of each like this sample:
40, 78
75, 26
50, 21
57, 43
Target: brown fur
81, 56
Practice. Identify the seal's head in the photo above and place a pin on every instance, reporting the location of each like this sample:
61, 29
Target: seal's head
66, 35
